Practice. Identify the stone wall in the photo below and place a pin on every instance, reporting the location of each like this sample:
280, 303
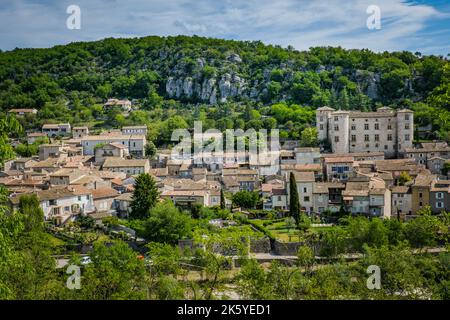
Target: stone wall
261, 245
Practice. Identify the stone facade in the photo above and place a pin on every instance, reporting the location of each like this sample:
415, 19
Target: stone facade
385, 130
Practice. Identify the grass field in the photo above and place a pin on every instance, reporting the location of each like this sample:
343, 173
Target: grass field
281, 232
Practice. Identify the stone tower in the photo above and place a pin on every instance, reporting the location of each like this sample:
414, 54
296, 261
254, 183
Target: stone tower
323, 117
339, 131
405, 130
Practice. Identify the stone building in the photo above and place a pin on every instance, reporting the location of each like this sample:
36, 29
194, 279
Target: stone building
385, 130
134, 143
79, 132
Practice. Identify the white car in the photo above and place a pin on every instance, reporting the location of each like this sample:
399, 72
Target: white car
85, 260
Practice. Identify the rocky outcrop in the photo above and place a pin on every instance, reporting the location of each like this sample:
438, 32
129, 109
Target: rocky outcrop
368, 82
208, 90
234, 57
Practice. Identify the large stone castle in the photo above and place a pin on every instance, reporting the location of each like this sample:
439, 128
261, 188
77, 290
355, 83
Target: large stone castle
385, 130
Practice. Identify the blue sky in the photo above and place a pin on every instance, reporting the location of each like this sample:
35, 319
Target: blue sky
405, 25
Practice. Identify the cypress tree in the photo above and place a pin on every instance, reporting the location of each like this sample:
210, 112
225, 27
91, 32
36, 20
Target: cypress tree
222, 199
294, 203
145, 196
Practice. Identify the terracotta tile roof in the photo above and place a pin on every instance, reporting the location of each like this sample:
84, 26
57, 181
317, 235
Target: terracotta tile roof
265, 187
79, 190
159, 172
102, 193
36, 134
424, 180
400, 189
306, 176
46, 195
323, 187
338, 159
191, 193
125, 196
117, 181
113, 162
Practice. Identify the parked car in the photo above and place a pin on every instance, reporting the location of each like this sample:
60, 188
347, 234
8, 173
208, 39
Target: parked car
85, 260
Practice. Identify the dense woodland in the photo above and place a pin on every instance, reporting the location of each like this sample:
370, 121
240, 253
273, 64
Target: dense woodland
172, 82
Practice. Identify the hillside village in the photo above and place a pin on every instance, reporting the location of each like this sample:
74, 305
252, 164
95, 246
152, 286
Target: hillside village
94, 177
372, 169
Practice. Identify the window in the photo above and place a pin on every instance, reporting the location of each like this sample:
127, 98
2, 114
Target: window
439, 195
389, 137
336, 139
407, 126
353, 138
406, 137
321, 126
336, 118
385, 147
407, 117
366, 137
389, 126
439, 204
377, 137
79, 198
336, 127
366, 126
321, 118
420, 195
305, 190
353, 127
306, 199
377, 126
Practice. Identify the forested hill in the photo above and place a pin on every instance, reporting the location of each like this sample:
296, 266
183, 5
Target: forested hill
191, 71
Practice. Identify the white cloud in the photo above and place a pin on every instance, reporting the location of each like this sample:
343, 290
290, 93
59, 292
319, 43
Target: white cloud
301, 23
191, 27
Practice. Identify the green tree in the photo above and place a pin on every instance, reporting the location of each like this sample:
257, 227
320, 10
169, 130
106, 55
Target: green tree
446, 168
404, 178
8, 125
27, 269
222, 200
294, 203
399, 272
145, 196
167, 224
309, 137
305, 257
150, 149
423, 230
246, 199
114, 273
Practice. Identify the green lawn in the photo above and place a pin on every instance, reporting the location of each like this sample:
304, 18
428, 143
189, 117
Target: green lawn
55, 242
280, 231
